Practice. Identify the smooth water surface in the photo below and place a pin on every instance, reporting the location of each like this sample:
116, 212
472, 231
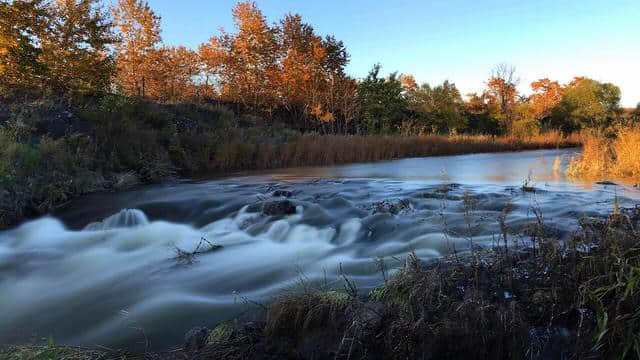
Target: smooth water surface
102, 269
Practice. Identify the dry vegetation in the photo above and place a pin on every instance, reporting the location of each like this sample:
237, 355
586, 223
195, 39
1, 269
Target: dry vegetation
329, 150
609, 158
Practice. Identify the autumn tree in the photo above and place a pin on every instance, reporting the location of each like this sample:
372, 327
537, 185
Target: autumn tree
285, 71
23, 24
245, 63
409, 83
546, 95
172, 74
139, 34
502, 92
311, 72
75, 50
301, 79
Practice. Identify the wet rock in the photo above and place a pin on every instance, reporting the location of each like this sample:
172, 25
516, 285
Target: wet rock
606, 183
195, 339
282, 193
391, 207
126, 180
278, 208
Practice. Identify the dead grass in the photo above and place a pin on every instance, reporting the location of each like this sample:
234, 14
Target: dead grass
331, 150
603, 158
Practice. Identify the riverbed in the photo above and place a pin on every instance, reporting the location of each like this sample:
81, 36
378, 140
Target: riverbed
106, 269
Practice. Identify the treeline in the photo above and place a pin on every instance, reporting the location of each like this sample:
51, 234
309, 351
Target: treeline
282, 73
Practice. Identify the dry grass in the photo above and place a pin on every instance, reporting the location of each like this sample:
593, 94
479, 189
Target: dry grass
604, 158
331, 150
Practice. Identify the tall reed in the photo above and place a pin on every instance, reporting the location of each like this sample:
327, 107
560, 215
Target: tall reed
604, 158
331, 150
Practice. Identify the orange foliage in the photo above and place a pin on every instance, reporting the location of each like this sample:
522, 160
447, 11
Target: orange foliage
139, 30
547, 94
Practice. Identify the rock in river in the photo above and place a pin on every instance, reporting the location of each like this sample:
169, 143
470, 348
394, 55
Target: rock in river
279, 208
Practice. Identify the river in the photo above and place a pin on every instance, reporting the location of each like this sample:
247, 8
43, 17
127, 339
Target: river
104, 269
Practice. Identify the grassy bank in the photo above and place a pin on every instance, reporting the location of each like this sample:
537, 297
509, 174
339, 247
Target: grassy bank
52, 151
548, 300
609, 156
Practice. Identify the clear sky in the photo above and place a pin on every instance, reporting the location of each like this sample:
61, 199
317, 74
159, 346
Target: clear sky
458, 40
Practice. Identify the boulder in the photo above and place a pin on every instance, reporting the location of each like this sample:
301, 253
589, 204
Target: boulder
278, 208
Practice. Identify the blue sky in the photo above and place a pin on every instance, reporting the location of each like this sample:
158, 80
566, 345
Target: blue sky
457, 40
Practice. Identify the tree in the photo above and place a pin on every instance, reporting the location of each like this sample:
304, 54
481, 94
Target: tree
174, 69
311, 74
383, 104
23, 24
75, 49
246, 62
546, 95
502, 91
439, 109
587, 104
482, 115
139, 34
525, 121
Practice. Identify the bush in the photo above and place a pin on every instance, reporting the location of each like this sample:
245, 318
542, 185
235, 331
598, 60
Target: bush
40, 176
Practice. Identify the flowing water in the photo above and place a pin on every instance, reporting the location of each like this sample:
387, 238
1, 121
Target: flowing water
104, 269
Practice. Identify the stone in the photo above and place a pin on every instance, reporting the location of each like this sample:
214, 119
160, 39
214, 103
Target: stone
279, 208
282, 193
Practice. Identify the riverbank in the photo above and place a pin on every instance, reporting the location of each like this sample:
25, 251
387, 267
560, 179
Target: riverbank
51, 152
543, 299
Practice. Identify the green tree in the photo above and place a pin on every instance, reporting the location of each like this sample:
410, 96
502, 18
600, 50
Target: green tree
439, 109
383, 103
587, 104
525, 121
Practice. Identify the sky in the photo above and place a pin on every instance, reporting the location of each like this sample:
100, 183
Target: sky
455, 40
